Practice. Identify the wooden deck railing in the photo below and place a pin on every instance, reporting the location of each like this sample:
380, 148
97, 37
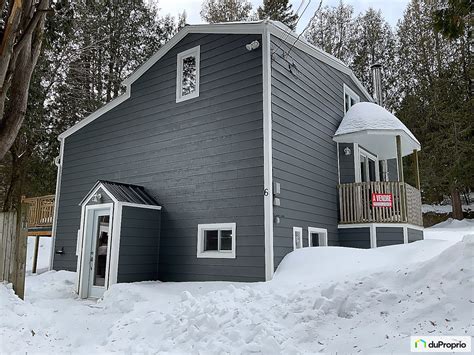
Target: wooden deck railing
355, 203
40, 211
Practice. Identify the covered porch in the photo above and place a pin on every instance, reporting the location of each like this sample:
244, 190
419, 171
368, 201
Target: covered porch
372, 189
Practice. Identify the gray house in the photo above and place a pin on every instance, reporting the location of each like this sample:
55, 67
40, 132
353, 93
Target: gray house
232, 146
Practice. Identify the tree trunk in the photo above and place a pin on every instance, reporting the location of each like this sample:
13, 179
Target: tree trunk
456, 203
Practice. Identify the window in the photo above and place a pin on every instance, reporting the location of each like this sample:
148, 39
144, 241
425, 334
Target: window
368, 167
297, 238
317, 237
350, 98
216, 240
187, 79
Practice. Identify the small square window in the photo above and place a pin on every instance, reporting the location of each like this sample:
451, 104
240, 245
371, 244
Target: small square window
350, 98
187, 79
216, 240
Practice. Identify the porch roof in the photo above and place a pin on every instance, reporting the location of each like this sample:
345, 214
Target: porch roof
121, 192
371, 125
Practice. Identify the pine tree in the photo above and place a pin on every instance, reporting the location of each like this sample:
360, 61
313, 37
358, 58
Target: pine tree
215, 11
332, 30
278, 10
435, 105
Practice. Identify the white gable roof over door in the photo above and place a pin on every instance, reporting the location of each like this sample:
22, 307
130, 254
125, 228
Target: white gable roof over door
274, 28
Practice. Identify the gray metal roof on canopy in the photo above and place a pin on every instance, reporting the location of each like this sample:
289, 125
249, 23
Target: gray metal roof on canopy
124, 193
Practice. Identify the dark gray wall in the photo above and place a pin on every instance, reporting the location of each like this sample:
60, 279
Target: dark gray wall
307, 107
354, 237
414, 235
389, 236
202, 158
392, 170
346, 164
139, 245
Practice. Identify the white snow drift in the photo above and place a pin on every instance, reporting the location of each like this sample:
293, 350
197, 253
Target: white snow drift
321, 300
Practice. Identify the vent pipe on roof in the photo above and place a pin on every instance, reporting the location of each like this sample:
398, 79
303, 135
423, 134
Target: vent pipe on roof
377, 82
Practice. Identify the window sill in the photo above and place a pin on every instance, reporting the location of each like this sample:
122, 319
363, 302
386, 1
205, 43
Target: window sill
216, 255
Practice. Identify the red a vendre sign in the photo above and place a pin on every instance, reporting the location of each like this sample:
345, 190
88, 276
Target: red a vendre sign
382, 200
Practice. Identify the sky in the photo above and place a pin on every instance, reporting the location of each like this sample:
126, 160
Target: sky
391, 9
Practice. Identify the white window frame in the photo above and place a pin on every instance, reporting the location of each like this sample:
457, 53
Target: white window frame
361, 151
298, 229
349, 92
196, 52
224, 254
322, 235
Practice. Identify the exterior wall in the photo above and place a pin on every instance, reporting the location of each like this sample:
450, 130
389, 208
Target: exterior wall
105, 198
346, 164
139, 245
414, 235
202, 158
389, 236
355, 237
307, 107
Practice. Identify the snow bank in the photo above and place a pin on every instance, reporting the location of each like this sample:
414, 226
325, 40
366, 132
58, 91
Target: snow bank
321, 300
444, 209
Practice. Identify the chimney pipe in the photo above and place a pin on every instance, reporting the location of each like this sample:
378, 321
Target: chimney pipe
377, 82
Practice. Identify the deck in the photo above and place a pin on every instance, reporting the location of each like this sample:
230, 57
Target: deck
356, 203
40, 215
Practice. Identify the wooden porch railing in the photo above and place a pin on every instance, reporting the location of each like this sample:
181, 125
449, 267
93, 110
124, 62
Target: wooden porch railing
40, 211
355, 203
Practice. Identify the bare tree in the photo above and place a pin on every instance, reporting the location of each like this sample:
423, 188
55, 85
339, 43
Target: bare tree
23, 26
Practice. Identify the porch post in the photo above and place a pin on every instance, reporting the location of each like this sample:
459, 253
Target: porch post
417, 169
400, 159
401, 179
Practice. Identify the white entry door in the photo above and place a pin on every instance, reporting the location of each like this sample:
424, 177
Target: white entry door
97, 250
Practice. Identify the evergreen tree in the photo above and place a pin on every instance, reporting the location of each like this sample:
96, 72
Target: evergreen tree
435, 105
451, 17
332, 30
278, 10
215, 11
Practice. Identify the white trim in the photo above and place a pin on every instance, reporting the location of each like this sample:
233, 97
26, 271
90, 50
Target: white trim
322, 236
348, 91
373, 236
367, 225
338, 164
201, 253
56, 203
405, 235
300, 230
115, 248
192, 52
259, 27
83, 288
139, 205
267, 155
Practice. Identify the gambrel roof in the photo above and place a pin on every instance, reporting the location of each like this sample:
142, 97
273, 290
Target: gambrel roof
263, 27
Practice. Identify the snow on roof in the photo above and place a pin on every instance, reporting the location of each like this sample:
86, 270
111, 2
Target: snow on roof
368, 123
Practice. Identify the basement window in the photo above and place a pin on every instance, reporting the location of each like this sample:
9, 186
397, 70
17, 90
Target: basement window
187, 79
350, 98
216, 240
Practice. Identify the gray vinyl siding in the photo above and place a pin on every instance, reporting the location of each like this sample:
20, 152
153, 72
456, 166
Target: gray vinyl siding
201, 158
354, 237
346, 164
307, 108
139, 245
414, 235
389, 236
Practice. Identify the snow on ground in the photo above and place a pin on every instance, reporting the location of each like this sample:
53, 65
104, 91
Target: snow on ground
444, 209
320, 300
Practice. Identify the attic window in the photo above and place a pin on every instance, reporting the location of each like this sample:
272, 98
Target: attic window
350, 98
187, 79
